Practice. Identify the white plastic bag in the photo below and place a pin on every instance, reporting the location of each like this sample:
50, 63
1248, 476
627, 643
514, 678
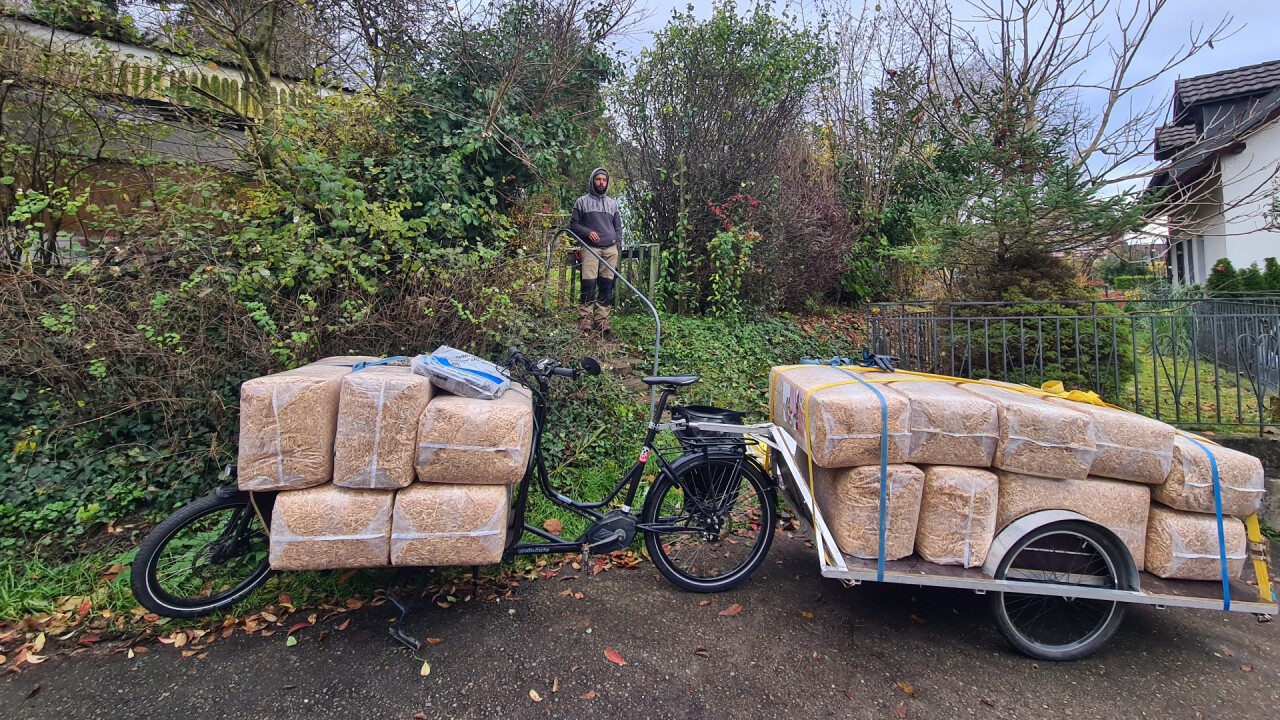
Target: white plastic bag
462, 373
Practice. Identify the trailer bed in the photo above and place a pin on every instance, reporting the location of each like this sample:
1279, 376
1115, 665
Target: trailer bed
1152, 590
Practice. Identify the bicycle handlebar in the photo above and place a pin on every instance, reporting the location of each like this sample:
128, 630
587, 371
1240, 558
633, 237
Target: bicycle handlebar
543, 369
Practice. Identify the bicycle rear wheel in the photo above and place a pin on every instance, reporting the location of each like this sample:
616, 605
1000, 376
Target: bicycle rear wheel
710, 526
204, 558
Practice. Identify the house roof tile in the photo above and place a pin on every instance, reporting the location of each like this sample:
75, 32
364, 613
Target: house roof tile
1172, 137
1250, 80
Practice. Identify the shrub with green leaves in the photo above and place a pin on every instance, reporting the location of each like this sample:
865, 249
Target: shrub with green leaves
383, 225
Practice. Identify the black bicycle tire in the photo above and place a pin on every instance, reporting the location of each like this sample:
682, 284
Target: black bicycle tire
142, 573
1095, 639
768, 521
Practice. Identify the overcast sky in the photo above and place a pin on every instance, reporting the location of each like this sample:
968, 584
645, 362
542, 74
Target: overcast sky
1256, 37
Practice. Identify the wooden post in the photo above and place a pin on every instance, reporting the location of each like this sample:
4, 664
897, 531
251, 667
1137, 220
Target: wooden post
655, 256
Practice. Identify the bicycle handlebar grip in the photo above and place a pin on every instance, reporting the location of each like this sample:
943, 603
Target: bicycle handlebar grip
565, 372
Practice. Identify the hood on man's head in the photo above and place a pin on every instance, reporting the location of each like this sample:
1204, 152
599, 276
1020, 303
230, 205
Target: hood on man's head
591, 181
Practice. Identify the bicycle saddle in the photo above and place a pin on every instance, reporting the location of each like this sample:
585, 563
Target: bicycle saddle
674, 380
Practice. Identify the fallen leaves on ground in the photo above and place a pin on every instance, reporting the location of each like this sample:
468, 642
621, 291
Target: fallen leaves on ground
900, 711
80, 623
553, 526
534, 696
730, 611
588, 695
614, 656
906, 688
425, 670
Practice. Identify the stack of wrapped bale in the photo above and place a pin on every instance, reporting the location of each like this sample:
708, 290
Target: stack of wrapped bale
944, 511
968, 458
470, 455
345, 447
1182, 533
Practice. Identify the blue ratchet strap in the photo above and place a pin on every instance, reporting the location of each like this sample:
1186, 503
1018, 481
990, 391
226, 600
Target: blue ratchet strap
1217, 509
366, 364
884, 469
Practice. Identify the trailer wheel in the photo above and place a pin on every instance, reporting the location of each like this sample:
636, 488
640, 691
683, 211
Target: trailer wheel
1061, 627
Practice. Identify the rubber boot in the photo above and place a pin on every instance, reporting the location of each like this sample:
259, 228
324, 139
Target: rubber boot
603, 307
586, 310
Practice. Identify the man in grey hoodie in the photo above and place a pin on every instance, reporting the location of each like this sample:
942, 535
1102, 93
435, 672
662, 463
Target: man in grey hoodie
597, 221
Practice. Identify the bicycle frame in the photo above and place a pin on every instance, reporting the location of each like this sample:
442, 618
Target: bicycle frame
537, 469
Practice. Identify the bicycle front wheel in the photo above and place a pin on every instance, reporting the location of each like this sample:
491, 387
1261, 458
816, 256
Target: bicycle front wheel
710, 523
204, 558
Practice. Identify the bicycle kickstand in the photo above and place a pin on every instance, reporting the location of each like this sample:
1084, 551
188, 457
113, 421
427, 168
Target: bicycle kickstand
404, 609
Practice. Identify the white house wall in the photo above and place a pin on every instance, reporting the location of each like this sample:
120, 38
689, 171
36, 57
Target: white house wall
1199, 226
1248, 189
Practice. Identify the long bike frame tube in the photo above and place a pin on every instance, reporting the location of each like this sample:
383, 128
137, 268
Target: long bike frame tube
537, 466
657, 321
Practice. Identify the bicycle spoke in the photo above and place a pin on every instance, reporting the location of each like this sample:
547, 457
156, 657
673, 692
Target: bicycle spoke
1067, 559
206, 558
707, 526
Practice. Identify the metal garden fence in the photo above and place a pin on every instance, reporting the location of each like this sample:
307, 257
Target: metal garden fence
1190, 362
640, 264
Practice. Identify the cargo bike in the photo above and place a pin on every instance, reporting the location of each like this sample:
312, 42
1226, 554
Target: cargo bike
1058, 583
707, 517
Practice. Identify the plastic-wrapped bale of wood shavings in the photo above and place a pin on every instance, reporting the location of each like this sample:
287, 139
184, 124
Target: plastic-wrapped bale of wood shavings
957, 515
1038, 438
1184, 546
287, 426
1128, 446
377, 434
1121, 507
849, 499
845, 416
1189, 485
476, 442
346, 360
329, 527
449, 524
948, 425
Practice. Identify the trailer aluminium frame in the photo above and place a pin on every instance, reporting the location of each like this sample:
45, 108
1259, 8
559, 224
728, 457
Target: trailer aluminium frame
1045, 611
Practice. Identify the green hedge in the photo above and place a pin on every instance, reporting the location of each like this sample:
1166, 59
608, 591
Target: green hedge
1130, 282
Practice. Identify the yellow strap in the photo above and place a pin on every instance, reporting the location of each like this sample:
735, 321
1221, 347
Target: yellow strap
1253, 531
1053, 388
808, 430
808, 425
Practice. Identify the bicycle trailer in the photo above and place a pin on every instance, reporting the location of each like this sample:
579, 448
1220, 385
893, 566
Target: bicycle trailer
1059, 557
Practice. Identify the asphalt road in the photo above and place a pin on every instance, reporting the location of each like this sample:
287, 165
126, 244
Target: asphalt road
866, 652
